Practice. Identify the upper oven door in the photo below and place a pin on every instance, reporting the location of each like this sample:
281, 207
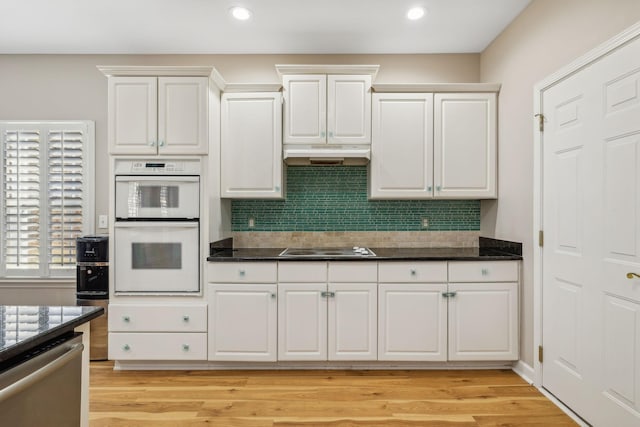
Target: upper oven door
157, 197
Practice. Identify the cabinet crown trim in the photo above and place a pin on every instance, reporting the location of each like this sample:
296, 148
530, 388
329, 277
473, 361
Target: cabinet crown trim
144, 70
436, 87
283, 69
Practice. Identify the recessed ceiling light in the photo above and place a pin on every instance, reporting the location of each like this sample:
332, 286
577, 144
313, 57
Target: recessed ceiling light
415, 13
240, 13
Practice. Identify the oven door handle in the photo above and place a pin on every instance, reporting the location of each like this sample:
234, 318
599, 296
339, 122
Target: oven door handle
153, 178
157, 224
41, 373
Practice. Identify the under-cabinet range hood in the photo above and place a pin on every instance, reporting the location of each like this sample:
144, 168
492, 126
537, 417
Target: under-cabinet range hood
326, 154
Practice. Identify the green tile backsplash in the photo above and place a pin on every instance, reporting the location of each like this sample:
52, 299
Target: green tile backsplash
334, 198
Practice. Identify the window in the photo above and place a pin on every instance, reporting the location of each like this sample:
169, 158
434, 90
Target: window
47, 196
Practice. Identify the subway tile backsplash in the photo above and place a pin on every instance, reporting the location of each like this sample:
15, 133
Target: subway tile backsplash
334, 198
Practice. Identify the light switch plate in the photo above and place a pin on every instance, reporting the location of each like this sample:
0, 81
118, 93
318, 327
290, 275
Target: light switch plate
103, 221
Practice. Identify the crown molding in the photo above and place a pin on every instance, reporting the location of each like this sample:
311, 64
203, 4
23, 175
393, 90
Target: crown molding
436, 87
283, 69
144, 70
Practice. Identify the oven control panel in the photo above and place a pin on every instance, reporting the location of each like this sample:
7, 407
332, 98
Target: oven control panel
157, 167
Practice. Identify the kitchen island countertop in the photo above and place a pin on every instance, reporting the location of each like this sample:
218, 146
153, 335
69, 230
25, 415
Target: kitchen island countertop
25, 328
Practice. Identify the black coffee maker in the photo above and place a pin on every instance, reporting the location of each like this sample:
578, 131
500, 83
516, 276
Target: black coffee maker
92, 287
92, 268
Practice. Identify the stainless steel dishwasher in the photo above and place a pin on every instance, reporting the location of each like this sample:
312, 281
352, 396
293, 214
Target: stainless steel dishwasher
43, 388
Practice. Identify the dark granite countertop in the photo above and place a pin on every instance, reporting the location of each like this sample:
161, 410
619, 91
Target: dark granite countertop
24, 328
488, 250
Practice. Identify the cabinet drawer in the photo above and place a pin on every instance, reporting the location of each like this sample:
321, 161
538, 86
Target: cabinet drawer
157, 318
407, 272
351, 272
243, 272
302, 272
158, 346
483, 271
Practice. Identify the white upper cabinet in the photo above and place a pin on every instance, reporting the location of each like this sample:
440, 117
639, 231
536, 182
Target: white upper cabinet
327, 109
465, 145
251, 145
402, 146
427, 145
158, 115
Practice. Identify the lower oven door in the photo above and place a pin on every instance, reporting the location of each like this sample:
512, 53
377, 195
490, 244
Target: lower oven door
157, 257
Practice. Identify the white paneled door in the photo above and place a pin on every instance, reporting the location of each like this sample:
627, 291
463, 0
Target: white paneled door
591, 218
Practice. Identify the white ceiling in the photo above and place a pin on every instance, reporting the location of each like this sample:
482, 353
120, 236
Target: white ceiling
277, 26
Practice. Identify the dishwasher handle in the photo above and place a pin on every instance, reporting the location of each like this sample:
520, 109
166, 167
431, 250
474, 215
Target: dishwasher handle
41, 373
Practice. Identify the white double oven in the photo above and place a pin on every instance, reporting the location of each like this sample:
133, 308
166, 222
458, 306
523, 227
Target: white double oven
157, 227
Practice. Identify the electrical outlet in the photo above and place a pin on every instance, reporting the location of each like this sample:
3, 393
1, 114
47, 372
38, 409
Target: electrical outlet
103, 221
425, 222
252, 222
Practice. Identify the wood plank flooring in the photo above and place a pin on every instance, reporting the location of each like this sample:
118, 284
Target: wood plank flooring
316, 398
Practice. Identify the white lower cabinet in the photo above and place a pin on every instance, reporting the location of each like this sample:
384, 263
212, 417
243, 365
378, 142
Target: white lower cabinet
412, 322
242, 322
243, 306
321, 320
157, 331
412, 313
483, 310
425, 311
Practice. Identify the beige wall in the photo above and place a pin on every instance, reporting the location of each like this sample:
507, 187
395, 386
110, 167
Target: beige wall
57, 87
546, 36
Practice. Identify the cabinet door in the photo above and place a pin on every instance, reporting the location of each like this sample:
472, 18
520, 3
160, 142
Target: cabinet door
402, 146
412, 322
242, 322
182, 115
483, 321
349, 109
305, 109
302, 321
352, 311
465, 145
251, 145
133, 115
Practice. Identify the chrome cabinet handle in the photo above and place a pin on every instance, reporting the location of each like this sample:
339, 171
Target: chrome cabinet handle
322, 134
126, 319
152, 143
429, 189
438, 188
413, 272
242, 272
330, 134
185, 318
449, 294
273, 296
485, 271
185, 347
328, 294
126, 347
632, 275
161, 144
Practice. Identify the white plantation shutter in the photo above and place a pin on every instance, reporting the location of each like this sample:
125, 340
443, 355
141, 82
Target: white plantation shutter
21, 161
47, 185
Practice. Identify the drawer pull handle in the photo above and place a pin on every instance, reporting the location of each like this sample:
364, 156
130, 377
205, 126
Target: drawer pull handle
413, 272
185, 347
632, 275
485, 271
328, 294
126, 319
185, 318
242, 272
126, 347
449, 294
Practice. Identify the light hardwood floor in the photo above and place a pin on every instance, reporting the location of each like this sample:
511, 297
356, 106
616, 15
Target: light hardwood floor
316, 398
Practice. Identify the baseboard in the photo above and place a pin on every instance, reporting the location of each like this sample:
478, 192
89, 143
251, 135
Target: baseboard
525, 371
